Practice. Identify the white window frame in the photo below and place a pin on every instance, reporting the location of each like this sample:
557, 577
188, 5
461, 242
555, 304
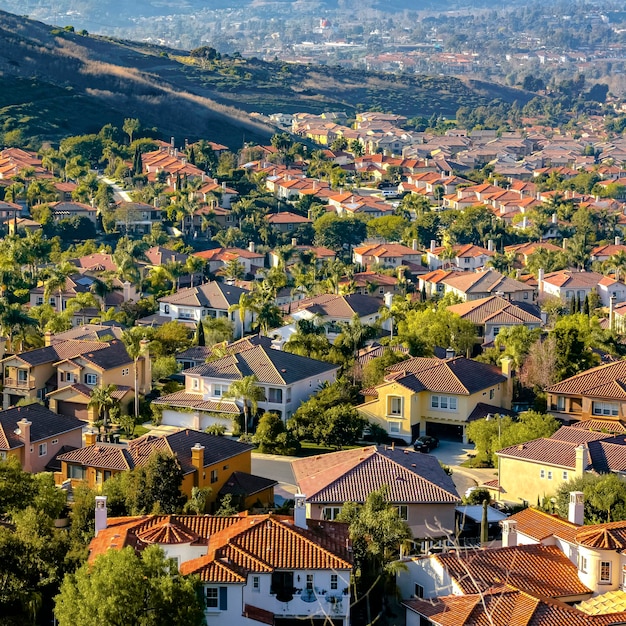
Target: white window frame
212, 602
605, 408
560, 403
395, 410
91, 379
125, 371
604, 572
444, 403
395, 428
334, 581
42, 449
331, 513
564, 474
256, 584
549, 474
542, 473
403, 512
582, 563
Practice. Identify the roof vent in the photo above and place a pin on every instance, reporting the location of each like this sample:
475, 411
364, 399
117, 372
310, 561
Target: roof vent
521, 446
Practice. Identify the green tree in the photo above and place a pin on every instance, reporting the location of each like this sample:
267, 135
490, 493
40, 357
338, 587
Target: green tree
374, 370
604, 496
130, 127
132, 340
250, 394
272, 437
333, 232
102, 399
121, 588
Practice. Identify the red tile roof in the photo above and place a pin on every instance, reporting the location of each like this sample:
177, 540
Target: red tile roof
605, 381
540, 525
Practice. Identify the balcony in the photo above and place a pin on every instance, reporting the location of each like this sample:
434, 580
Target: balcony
18, 384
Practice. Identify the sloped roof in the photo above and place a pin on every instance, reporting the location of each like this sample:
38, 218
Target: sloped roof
487, 281
611, 536
540, 525
44, 424
59, 351
605, 381
351, 475
213, 295
494, 310
537, 569
457, 375
337, 306
269, 366
196, 401
243, 484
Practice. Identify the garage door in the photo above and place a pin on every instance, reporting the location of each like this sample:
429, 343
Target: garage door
444, 431
73, 409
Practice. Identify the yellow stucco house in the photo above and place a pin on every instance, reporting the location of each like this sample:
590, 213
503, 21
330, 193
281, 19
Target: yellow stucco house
206, 461
437, 397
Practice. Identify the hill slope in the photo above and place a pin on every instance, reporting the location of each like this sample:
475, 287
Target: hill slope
54, 83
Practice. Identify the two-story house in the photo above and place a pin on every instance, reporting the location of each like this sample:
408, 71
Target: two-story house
490, 315
569, 284
423, 493
381, 255
286, 379
485, 283
216, 258
435, 396
206, 461
267, 569
467, 258
191, 305
136, 217
34, 435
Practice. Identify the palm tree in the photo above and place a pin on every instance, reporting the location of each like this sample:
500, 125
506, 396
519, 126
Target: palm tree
617, 264
12, 320
194, 265
102, 287
56, 281
132, 340
250, 394
102, 399
232, 270
247, 304
268, 316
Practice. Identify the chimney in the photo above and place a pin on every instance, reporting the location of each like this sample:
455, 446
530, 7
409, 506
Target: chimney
145, 382
388, 299
90, 438
299, 511
251, 246
612, 300
172, 142
224, 186
564, 243
450, 353
524, 222
540, 274
294, 242
490, 245
197, 460
433, 245
126, 287
23, 432
509, 533
47, 338
576, 510
618, 241
581, 460
101, 513
554, 218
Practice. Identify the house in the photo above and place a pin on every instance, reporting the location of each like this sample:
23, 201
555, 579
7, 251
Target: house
305, 255
197, 355
206, 461
66, 372
136, 217
467, 258
481, 284
423, 493
598, 394
65, 210
34, 435
521, 251
286, 379
287, 222
385, 255
435, 396
569, 284
490, 315
605, 252
218, 257
370, 283
268, 569
329, 310
189, 306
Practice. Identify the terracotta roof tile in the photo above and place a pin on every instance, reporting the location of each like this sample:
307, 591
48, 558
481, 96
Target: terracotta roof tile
608, 379
494, 309
212, 295
540, 525
611, 536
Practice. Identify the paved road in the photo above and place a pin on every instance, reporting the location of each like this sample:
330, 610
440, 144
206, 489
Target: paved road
449, 452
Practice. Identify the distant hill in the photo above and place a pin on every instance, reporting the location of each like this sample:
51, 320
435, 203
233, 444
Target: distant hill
54, 82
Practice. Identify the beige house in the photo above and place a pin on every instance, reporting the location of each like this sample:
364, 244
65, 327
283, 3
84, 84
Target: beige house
436, 396
423, 493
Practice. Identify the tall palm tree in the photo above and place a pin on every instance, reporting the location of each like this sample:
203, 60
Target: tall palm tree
232, 270
268, 316
617, 264
56, 281
247, 304
132, 339
250, 394
102, 399
12, 320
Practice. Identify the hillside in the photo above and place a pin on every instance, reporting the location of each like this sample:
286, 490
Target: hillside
54, 82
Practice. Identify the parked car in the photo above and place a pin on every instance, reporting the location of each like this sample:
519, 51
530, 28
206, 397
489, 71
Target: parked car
425, 443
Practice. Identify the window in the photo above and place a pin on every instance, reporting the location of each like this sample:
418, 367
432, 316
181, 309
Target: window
282, 586
496, 331
394, 428
195, 383
212, 597
542, 473
39, 300
549, 475
492, 393
419, 591
91, 379
466, 260
54, 442
219, 390
334, 581
256, 584
275, 395
43, 449
214, 476
403, 512
623, 577
125, 371
564, 475
582, 563
309, 582
3, 455
330, 513
605, 572
605, 408
560, 403
166, 308
443, 403
76, 471
394, 406
22, 376
569, 294
525, 295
